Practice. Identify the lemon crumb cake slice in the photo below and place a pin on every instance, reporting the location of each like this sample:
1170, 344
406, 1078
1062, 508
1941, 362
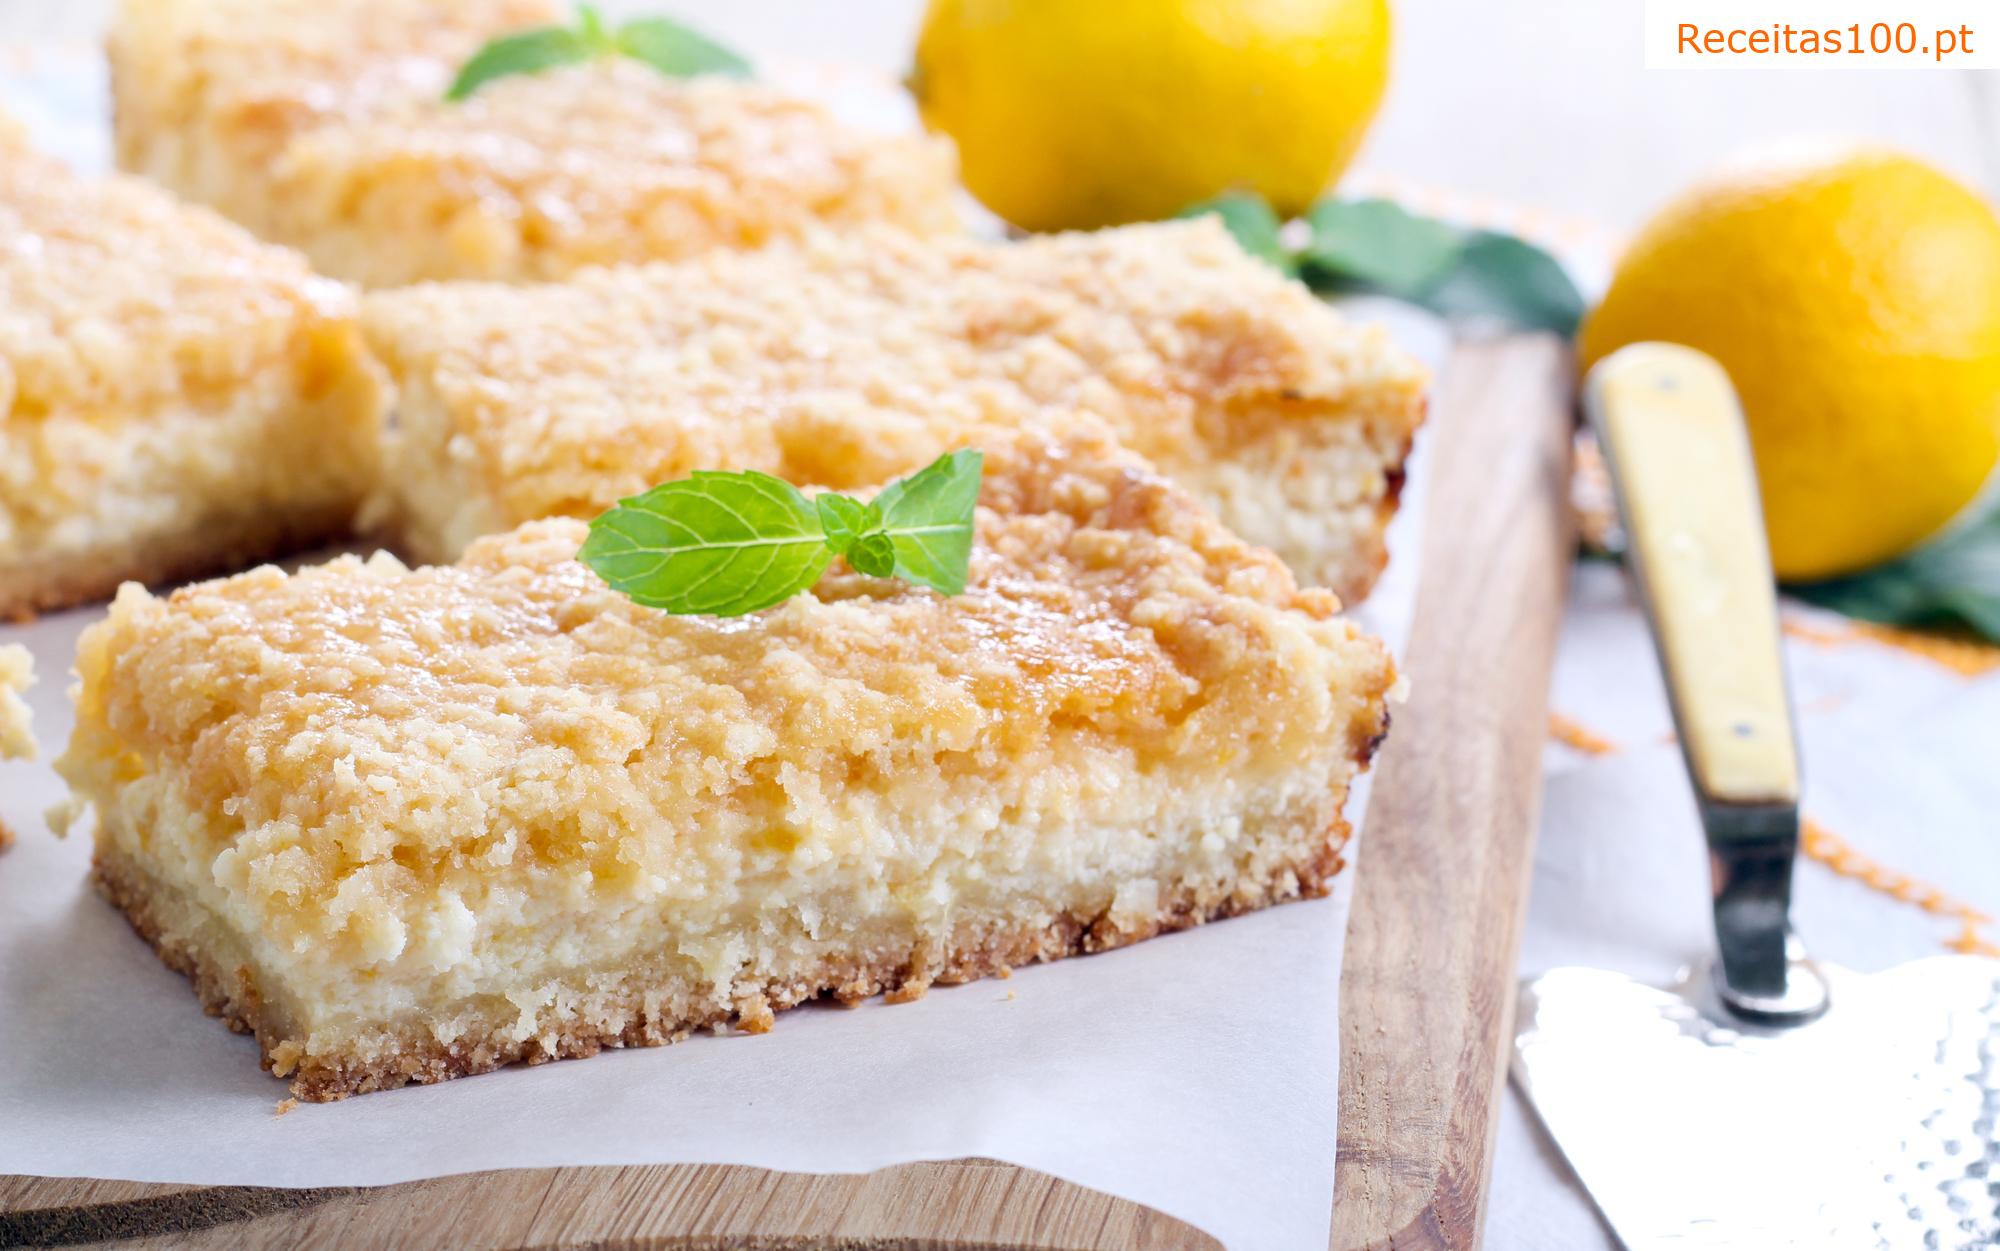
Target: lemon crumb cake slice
406, 825
846, 360
323, 124
175, 397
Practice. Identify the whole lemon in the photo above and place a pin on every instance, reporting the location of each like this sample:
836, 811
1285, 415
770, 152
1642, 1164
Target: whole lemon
1854, 297
1073, 114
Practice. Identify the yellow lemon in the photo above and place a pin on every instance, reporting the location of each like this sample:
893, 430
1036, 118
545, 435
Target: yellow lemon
1073, 114
1854, 297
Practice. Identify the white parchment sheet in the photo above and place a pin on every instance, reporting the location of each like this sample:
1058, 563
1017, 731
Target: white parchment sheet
1196, 1073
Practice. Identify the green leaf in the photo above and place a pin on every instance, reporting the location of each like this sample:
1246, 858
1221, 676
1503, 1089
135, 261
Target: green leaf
590, 29
1953, 582
732, 543
1380, 245
667, 46
928, 520
1253, 223
719, 543
844, 520
677, 51
529, 52
1500, 276
874, 555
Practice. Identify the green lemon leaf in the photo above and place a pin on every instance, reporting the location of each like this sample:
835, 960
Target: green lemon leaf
844, 520
717, 543
1378, 244
928, 520
1953, 582
529, 52
1497, 275
677, 51
1253, 223
874, 555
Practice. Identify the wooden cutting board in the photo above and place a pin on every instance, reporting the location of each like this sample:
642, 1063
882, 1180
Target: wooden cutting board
1426, 993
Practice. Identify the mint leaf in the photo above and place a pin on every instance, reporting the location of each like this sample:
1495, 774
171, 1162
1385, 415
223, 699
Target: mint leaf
1251, 220
1500, 276
844, 520
874, 555
1378, 244
590, 29
731, 543
529, 52
1953, 582
718, 543
928, 520
667, 46
677, 51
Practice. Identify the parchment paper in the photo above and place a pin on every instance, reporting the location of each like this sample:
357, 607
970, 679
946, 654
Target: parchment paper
1195, 1073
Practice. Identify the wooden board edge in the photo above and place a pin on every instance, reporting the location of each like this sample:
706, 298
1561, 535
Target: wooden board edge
1427, 992
959, 1205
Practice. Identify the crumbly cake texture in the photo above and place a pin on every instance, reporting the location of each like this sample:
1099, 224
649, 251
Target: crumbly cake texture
17, 674
176, 398
406, 825
844, 360
322, 124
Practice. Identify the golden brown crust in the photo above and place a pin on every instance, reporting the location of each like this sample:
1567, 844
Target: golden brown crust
419, 1058
31, 588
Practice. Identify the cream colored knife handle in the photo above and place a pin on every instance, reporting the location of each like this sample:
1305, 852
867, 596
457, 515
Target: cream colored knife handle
1670, 427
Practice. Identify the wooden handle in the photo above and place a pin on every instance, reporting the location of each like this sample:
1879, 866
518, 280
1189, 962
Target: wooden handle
1673, 435
1427, 991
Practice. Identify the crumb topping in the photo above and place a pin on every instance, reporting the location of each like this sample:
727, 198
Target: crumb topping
842, 361
274, 68
323, 123
112, 292
613, 161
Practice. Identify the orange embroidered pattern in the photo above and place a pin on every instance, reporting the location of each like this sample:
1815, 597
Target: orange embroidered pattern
1829, 849
1966, 656
1832, 851
1579, 737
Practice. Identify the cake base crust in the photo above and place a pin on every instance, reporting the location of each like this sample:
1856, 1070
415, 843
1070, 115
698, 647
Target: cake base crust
631, 1016
30, 588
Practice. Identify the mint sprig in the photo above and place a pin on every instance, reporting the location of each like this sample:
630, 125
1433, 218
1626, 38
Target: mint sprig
677, 51
725, 544
669, 47
1378, 246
